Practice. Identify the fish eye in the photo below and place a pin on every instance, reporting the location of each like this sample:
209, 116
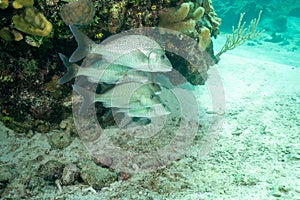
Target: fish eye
162, 57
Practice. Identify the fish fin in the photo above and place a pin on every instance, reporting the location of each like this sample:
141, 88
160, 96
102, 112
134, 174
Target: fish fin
91, 59
71, 67
87, 97
85, 45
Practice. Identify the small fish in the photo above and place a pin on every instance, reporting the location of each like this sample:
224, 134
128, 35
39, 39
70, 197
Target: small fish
122, 95
129, 95
101, 72
134, 51
134, 99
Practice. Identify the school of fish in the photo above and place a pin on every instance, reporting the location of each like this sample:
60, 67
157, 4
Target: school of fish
127, 62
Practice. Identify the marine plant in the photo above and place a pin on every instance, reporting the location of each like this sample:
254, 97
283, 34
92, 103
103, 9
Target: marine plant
241, 34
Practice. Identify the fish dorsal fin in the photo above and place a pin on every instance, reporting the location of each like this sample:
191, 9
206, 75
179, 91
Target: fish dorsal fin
85, 45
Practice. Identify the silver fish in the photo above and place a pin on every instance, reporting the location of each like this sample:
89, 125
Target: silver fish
134, 99
128, 95
101, 72
134, 51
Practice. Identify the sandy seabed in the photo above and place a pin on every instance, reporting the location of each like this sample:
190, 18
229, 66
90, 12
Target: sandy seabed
255, 156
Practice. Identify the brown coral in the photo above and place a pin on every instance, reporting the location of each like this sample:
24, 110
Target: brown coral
80, 12
183, 19
204, 39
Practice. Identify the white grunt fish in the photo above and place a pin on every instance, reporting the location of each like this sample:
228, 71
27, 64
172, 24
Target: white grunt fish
128, 95
126, 61
134, 51
101, 72
134, 99
114, 58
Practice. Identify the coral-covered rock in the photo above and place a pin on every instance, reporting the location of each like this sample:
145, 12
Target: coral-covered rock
199, 21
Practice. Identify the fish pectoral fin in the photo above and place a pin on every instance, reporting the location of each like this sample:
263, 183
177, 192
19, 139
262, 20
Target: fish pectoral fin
72, 69
85, 45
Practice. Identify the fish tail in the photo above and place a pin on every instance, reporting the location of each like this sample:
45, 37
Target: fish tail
87, 97
71, 67
85, 44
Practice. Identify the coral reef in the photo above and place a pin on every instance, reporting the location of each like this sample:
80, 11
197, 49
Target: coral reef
32, 22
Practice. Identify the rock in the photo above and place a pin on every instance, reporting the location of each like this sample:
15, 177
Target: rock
51, 170
59, 140
70, 174
98, 177
7, 175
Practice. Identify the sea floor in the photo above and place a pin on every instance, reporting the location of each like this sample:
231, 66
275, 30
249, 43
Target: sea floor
254, 154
